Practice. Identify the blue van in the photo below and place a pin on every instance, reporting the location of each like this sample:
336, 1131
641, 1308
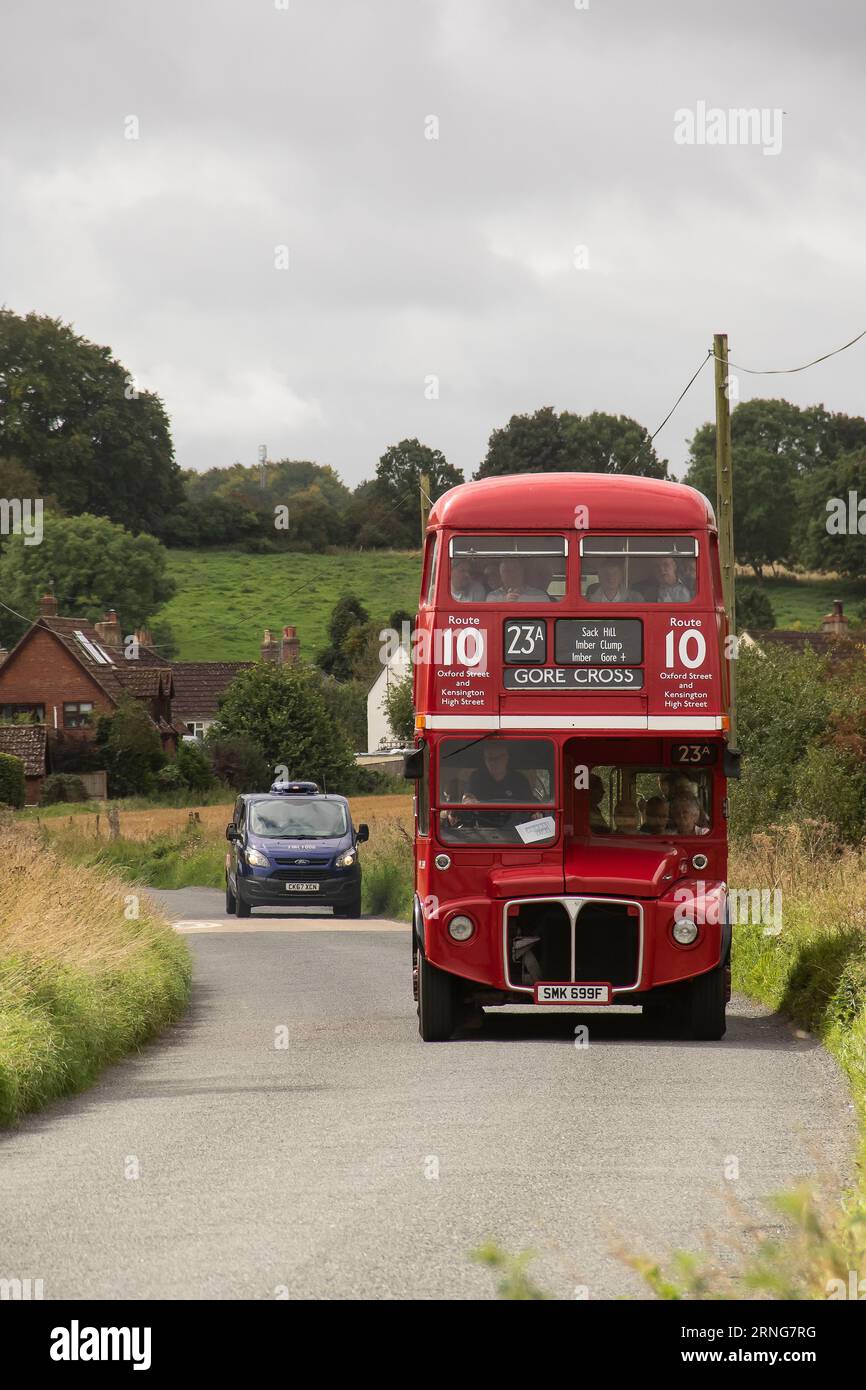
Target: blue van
293, 845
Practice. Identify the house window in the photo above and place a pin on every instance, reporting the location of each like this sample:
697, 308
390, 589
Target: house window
16, 714
77, 714
196, 727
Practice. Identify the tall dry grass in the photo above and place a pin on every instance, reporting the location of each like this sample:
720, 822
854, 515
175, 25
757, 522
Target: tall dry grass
144, 824
88, 970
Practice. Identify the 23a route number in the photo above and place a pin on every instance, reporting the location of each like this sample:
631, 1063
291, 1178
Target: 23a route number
525, 641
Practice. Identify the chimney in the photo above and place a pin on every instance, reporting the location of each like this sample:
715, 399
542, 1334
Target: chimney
835, 624
109, 630
270, 647
291, 647
144, 636
48, 606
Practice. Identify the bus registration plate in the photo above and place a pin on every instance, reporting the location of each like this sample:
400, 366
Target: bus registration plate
572, 994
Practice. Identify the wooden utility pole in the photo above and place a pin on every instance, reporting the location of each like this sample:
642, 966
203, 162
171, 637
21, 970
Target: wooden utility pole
424, 484
725, 515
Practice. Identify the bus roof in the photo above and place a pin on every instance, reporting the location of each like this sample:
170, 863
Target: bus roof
615, 501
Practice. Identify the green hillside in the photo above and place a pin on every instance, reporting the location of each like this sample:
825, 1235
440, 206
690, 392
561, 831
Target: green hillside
225, 599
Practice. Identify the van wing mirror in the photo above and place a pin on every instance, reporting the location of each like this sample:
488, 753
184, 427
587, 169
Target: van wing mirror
363, 833
413, 764
231, 831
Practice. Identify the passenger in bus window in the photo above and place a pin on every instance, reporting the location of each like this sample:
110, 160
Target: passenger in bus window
491, 575
464, 586
597, 823
686, 814
655, 813
513, 587
666, 585
611, 586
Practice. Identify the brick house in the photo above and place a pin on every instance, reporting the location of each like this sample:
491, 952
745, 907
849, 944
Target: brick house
65, 672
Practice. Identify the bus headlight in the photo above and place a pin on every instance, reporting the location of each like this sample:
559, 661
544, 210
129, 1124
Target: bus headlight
461, 928
685, 931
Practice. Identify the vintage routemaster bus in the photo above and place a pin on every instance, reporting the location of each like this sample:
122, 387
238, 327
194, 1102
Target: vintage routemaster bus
571, 697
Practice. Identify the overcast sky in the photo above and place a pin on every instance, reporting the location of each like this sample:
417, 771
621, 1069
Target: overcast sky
261, 127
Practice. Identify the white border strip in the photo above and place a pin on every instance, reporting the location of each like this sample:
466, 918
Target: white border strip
699, 724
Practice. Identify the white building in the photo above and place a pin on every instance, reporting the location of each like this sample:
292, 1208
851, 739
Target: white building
379, 732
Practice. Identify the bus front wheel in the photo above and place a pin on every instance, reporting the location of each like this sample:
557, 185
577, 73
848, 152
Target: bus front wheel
437, 1002
703, 1009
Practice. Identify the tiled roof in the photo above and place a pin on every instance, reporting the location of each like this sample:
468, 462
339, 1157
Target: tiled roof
822, 643
26, 741
144, 679
146, 682
199, 684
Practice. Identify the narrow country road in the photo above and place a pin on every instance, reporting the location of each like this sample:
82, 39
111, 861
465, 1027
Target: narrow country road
357, 1162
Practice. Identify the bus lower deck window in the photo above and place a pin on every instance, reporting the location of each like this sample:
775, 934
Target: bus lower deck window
627, 800
477, 777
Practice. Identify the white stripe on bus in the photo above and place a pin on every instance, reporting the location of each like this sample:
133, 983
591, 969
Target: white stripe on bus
671, 723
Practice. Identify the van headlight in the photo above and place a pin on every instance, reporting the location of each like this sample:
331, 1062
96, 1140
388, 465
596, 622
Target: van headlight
257, 859
345, 861
685, 931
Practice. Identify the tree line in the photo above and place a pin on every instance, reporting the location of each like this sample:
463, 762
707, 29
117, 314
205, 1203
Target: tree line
76, 432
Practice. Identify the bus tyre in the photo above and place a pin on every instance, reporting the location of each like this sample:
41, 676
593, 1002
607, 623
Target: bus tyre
437, 1002
704, 1006
231, 900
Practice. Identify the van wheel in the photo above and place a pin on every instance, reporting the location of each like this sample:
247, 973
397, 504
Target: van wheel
231, 900
354, 907
437, 1002
703, 1008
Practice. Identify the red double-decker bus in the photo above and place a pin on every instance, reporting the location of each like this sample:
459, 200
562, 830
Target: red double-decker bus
571, 699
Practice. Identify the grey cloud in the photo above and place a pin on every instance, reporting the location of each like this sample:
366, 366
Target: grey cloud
410, 257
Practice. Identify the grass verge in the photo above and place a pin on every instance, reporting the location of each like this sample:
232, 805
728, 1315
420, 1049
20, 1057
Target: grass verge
87, 972
814, 972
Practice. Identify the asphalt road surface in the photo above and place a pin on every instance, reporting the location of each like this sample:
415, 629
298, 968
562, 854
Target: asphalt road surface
356, 1161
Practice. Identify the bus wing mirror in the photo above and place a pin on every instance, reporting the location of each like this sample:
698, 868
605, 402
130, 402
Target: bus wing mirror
731, 762
413, 765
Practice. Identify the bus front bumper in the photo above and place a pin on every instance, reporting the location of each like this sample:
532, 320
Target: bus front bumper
625, 943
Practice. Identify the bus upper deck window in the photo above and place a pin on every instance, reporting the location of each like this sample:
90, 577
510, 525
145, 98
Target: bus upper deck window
638, 569
508, 569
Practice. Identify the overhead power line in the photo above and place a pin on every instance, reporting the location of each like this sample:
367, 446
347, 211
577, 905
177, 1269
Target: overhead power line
787, 371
